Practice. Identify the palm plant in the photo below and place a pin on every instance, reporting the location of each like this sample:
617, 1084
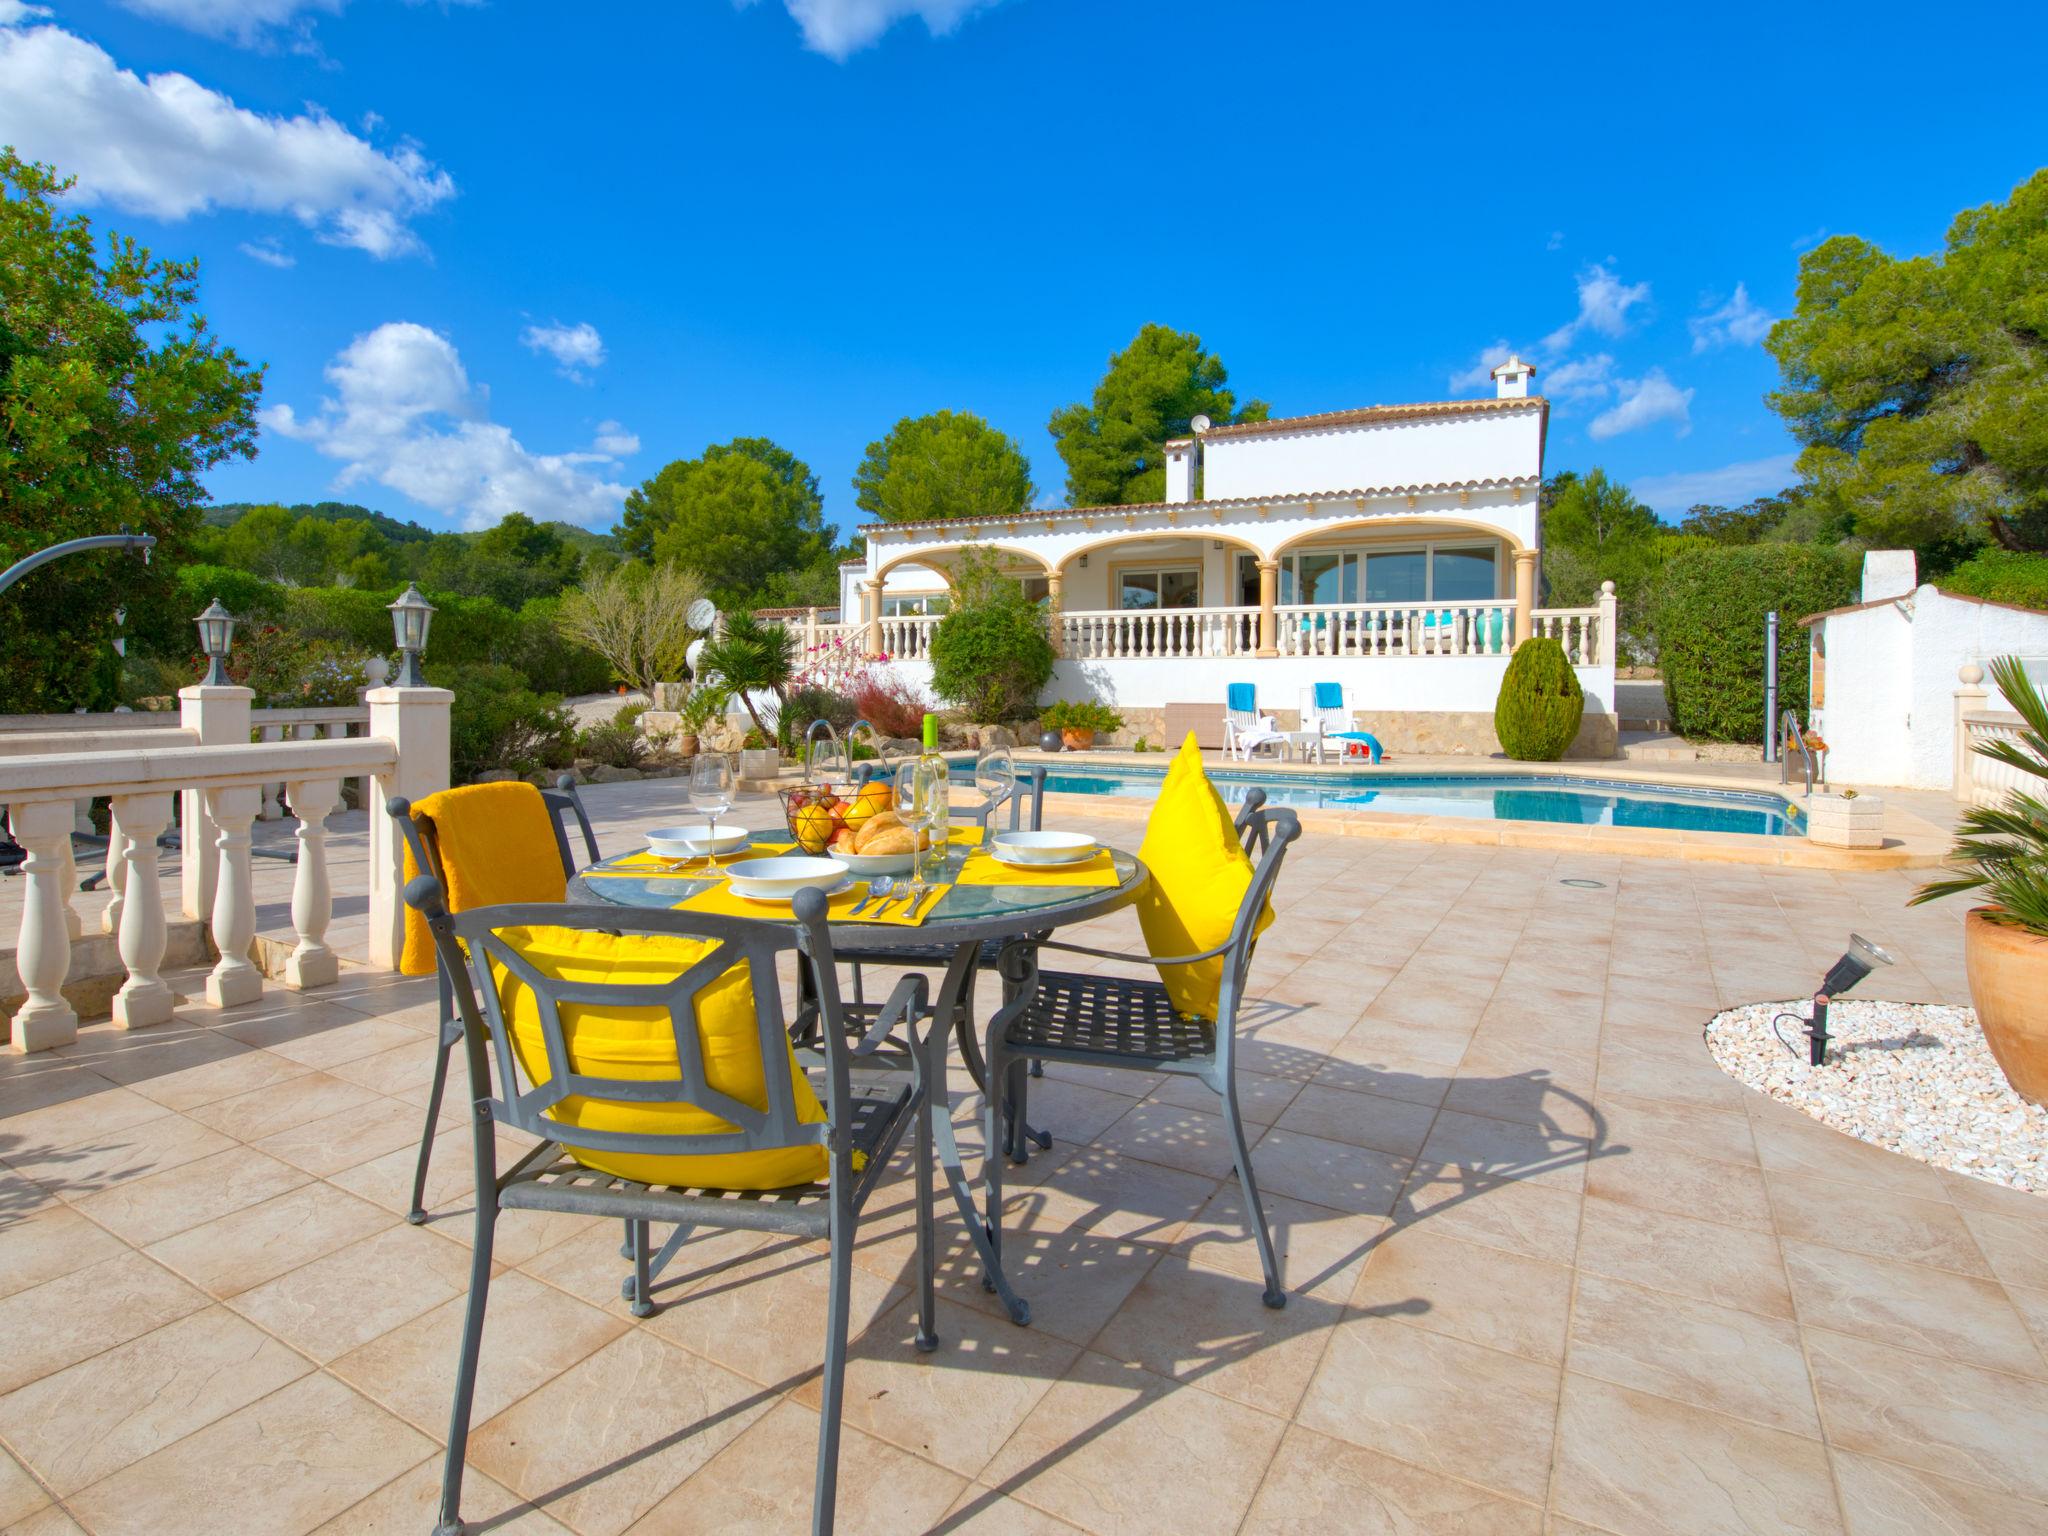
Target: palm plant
751, 657
2003, 849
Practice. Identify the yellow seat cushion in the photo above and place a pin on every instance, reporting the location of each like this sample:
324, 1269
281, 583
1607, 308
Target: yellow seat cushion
1200, 874
497, 846
639, 1043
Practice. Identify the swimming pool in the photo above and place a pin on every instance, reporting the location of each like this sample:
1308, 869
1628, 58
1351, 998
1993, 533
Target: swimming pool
1574, 801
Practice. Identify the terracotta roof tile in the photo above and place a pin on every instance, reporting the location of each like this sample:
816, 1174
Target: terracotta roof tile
1365, 415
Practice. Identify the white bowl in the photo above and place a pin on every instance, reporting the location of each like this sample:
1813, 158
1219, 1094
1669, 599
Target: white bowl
695, 842
1041, 847
778, 879
868, 865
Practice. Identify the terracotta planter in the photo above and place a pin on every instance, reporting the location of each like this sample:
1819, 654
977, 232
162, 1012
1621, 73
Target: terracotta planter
2008, 971
686, 746
1077, 741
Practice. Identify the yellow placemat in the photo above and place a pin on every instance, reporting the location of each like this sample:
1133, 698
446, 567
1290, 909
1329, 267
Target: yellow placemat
1099, 870
646, 863
721, 900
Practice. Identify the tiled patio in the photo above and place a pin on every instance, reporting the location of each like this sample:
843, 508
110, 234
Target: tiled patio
1551, 1270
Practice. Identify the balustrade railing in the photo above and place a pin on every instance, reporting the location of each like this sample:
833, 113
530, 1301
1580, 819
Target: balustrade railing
1576, 629
908, 637
1395, 629
1984, 780
1144, 633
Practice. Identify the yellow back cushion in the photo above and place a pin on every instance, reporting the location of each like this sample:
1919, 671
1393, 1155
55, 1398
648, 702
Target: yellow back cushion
640, 1043
1200, 874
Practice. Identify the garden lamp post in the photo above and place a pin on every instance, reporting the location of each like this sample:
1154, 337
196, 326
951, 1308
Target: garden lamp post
216, 634
411, 616
1858, 961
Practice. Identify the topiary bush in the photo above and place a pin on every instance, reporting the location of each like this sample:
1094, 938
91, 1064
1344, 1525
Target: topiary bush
1537, 714
1710, 632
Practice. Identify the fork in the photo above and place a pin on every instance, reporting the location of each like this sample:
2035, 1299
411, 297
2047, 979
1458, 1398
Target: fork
879, 889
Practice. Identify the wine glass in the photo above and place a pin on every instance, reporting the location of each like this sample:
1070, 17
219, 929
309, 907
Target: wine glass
711, 793
995, 776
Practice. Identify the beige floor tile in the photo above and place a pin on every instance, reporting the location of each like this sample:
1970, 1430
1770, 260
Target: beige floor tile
532, 1333
136, 1152
609, 1438
1124, 1196
1320, 1251
1211, 1330
1531, 1219
412, 1504
589, 1265
1345, 1178
95, 1108
1074, 1457
1728, 1266
1359, 1065
1358, 1119
1722, 1134
404, 1071
282, 1106
957, 1405
1183, 1140
1880, 1222
1454, 1408
1711, 1357
451, 1176
320, 1035
282, 1465
89, 1421
763, 1481
1076, 1113
1664, 1178
1789, 1142
61, 1321
229, 1072
1316, 1483
144, 1210
983, 1511
1641, 1465
336, 1142
2017, 1248
1882, 1498
335, 1303
51, 1242
231, 1253
1482, 1295
20, 1494
1983, 1427
1912, 1307
1505, 1150
49, 1521
1261, 1099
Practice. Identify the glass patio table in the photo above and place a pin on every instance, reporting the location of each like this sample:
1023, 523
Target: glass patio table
953, 933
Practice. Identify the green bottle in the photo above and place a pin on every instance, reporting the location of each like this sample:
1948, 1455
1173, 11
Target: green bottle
932, 807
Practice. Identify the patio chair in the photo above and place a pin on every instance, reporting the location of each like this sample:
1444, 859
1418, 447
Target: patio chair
1133, 1024
1324, 710
708, 1133
1245, 730
540, 875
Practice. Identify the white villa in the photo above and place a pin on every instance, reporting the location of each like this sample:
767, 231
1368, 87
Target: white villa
1393, 549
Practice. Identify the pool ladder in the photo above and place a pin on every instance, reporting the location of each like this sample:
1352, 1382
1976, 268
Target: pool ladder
1797, 739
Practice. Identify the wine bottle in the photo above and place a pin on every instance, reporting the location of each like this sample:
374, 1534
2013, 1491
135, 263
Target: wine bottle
934, 813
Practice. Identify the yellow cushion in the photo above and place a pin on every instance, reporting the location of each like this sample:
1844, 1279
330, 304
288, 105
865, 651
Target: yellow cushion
640, 1043
497, 845
1199, 876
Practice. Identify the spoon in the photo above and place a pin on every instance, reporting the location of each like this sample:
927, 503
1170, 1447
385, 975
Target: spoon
879, 889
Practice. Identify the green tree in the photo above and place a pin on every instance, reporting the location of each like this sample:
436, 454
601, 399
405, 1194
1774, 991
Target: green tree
1919, 385
738, 520
1115, 446
1595, 530
751, 657
946, 464
114, 398
1750, 523
651, 508
990, 653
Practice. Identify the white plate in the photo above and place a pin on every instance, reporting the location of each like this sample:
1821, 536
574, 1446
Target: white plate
845, 884
1041, 847
695, 842
781, 878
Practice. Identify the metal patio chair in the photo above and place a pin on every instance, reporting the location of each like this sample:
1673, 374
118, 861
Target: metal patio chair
563, 802
864, 1120
1131, 1024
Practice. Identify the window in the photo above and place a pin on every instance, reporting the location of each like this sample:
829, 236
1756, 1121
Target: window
1036, 588
1398, 576
1462, 575
918, 603
1172, 587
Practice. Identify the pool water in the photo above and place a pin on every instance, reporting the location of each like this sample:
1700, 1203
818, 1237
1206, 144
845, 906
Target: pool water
1573, 801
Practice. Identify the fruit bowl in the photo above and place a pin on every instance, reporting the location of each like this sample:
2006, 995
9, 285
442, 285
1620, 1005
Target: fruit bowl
824, 817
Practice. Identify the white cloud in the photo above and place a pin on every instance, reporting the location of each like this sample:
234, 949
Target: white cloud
1556, 241
404, 414
169, 147
1738, 323
1604, 303
1644, 402
269, 252
15, 13
1480, 374
573, 347
1589, 378
1729, 486
615, 439
838, 28
240, 21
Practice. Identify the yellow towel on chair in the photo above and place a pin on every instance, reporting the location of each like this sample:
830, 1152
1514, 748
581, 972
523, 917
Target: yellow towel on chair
497, 845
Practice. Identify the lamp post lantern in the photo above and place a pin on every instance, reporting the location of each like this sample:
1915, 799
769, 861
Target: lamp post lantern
411, 616
216, 634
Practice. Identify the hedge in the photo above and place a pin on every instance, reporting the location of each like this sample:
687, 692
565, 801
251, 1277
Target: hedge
2001, 576
1541, 703
1710, 632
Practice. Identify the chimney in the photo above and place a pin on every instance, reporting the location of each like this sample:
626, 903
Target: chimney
1889, 573
1511, 378
1180, 469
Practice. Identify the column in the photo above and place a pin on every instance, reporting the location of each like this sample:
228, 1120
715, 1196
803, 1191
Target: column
234, 980
67, 882
144, 998
1525, 595
415, 722
221, 717
43, 950
312, 963
1269, 594
117, 872
1053, 581
1610, 613
871, 592
1970, 696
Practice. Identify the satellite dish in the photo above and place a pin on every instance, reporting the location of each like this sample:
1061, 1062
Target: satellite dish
702, 614
1199, 424
696, 650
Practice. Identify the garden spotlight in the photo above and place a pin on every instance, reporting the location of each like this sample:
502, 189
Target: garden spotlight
1858, 961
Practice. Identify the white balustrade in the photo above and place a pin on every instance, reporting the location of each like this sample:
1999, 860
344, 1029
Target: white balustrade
311, 963
1141, 633
1395, 629
1576, 629
42, 953
234, 980
116, 874
1985, 780
908, 636
145, 998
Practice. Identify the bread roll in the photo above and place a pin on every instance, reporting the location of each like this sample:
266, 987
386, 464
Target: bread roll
873, 827
894, 839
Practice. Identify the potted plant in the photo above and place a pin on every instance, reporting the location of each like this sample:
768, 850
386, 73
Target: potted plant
1078, 723
2002, 850
702, 705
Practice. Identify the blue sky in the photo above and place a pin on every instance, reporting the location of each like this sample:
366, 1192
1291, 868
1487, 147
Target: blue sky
509, 254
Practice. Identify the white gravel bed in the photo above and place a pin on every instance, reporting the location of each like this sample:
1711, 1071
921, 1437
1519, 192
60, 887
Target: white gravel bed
1914, 1078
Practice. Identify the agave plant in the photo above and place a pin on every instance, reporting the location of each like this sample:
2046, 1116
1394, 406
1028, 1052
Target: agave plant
2004, 848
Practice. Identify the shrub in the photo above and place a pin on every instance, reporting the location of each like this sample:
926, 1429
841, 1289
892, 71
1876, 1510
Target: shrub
498, 722
1537, 714
1710, 632
892, 704
636, 618
812, 702
286, 670
1087, 715
990, 653
552, 662
2001, 576
617, 741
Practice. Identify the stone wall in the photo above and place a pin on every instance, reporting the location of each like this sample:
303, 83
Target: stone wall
1451, 733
